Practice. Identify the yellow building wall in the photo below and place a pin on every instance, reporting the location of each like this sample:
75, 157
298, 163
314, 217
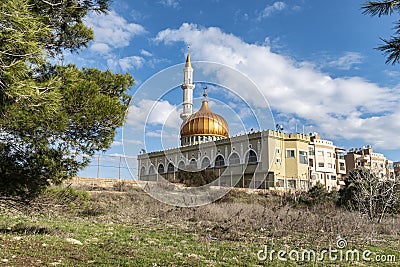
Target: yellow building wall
293, 168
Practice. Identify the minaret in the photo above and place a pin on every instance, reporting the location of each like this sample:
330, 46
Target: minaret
187, 87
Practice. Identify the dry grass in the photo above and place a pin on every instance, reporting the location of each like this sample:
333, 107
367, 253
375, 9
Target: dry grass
240, 222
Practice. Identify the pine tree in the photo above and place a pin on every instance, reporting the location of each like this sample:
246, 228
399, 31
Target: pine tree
391, 47
52, 118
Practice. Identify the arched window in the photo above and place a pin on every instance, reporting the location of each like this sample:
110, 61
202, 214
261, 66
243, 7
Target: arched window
181, 165
152, 170
219, 161
142, 171
193, 163
160, 168
234, 159
205, 163
251, 156
171, 167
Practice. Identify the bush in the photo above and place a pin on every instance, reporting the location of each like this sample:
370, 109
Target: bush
122, 186
196, 178
371, 195
64, 196
318, 195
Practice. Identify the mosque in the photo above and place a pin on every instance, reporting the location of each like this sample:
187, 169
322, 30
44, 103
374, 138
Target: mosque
267, 159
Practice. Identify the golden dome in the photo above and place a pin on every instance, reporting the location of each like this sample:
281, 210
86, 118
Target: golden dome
205, 123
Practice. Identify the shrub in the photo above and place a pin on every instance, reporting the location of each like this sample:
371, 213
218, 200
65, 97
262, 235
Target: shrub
63, 196
196, 178
371, 195
318, 195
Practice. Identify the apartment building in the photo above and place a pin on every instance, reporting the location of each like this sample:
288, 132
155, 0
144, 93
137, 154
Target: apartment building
390, 169
290, 167
396, 169
365, 157
326, 163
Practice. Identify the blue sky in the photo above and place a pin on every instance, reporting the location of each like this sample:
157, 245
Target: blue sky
313, 61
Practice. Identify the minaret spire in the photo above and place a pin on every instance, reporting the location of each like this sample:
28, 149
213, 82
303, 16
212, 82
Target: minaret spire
205, 94
188, 62
187, 87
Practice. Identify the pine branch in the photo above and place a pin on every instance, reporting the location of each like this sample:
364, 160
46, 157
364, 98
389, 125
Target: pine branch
391, 49
380, 8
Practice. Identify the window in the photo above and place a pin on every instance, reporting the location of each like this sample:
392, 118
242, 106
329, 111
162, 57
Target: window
142, 171
320, 153
160, 168
311, 151
251, 156
277, 151
329, 155
205, 163
278, 160
219, 161
152, 170
333, 177
181, 165
290, 153
303, 159
280, 183
303, 184
291, 183
171, 167
234, 159
321, 164
193, 163
341, 166
311, 162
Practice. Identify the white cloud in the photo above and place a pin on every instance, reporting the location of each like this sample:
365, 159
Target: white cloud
347, 61
113, 30
132, 62
116, 143
337, 107
101, 48
269, 10
133, 141
392, 73
151, 119
125, 63
154, 112
170, 3
145, 53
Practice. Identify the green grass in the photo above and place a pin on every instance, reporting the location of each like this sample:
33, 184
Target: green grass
165, 236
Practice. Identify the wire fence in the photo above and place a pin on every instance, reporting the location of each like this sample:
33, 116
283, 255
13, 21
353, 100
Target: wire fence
119, 167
